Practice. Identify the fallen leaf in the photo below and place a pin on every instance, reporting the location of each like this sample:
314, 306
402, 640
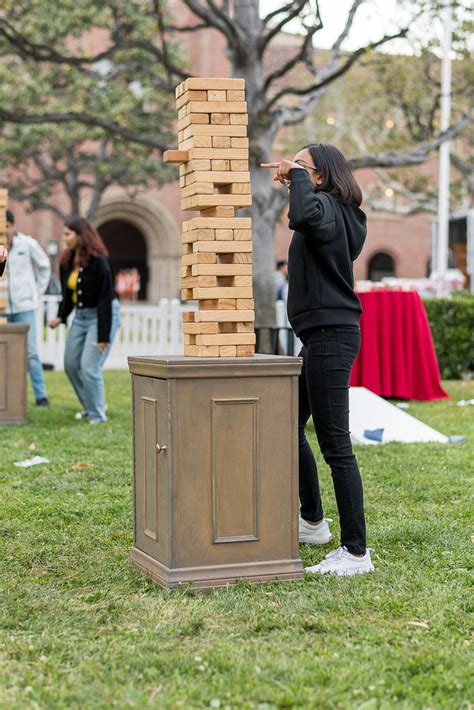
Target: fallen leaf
32, 446
82, 464
418, 624
20, 442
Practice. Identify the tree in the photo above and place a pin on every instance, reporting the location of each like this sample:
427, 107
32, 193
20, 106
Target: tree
79, 159
274, 100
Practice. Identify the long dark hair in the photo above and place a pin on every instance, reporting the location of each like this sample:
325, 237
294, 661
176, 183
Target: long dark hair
90, 241
338, 179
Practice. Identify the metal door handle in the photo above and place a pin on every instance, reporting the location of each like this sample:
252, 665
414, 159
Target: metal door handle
160, 448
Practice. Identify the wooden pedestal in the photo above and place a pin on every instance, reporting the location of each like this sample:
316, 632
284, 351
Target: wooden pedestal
13, 373
215, 469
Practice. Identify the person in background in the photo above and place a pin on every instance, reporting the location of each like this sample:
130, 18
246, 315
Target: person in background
281, 280
28, 272
87, 286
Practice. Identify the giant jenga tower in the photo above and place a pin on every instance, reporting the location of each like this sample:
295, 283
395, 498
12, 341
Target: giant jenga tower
217, 246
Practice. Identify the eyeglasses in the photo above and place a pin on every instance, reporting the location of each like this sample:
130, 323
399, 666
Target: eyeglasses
305, 165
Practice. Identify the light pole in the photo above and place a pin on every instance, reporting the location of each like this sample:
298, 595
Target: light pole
441, 255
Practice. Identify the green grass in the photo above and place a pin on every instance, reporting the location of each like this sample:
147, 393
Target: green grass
79, 628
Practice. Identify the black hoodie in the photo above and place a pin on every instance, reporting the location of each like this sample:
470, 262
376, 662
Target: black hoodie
328, 237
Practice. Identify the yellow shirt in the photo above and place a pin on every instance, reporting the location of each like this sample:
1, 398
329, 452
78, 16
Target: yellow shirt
72, 284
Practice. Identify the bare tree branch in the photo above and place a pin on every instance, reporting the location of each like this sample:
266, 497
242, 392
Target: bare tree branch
298, 57
263, 42
215, 17
411, 156
348, 26
79, 117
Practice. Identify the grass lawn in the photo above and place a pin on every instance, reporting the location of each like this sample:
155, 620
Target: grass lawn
79, 628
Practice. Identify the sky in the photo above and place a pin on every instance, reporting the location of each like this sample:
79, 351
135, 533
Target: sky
373, 19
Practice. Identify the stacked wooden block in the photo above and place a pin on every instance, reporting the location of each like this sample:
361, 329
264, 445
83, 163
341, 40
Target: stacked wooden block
217, 245
3, 241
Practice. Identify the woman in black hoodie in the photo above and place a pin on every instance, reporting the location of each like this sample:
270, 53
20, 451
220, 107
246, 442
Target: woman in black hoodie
324, 311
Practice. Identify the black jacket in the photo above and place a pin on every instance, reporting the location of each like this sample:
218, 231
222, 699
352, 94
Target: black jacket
95, 289
2, 267
328, 237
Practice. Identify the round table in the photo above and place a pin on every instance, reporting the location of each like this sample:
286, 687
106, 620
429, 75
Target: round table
397, 357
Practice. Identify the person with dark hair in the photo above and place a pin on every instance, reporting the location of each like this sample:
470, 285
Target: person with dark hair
28, 271
3, 258
281, 280
87, 286
324, 311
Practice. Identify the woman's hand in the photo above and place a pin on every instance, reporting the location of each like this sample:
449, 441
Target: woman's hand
54, 322
3, 254
102, 347
283, 168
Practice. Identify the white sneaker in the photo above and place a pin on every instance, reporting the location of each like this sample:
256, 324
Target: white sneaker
341, 563
316, 534
81, 415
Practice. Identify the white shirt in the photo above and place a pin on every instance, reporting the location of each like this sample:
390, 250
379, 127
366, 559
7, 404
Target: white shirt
28, 271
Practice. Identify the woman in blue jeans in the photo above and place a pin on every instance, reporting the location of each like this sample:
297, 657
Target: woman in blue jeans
87, 286
324, 311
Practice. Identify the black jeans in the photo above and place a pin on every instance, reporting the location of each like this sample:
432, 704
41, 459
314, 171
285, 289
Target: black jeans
328, 356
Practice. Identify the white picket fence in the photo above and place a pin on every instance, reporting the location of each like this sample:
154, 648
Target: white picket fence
145, 330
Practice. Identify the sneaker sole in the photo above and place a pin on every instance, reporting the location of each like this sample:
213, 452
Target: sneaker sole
341, 573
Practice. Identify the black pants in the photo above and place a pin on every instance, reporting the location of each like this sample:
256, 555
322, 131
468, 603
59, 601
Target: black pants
328, 356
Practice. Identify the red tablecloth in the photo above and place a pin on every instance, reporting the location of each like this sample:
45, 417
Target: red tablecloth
397, 356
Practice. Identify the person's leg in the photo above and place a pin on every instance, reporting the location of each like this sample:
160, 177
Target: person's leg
329, 361
113, 330
310, 498
35, 368
91, 369
72, 356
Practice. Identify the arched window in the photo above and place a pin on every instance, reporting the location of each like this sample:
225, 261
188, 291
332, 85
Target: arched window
381, 265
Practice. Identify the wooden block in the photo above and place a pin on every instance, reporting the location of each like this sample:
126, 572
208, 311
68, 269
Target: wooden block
217, 95
196, 142
186, 249
221, 141
218, 153
202, 202
242, 280
239, 142
223, 316
228, 351
186, 294
222, 269
197, 188
179, 90
242, 235
245, 350
211, 83
220, 165
239, 165
214, 130
233, 108
225, 234
187, 96
222, 247
245, 304
176, 156
182, 181
215, 305
200, 281
241, 258
208, 327
226, 339
193, 118
201, 351
191, 259
220, 118
211, 223
220, 178
193, 165
235, 95
222, 292
188, 316
218, 212
189, 339
245, 327
183, 112
236, 188
198, 235
237, 119
186, 271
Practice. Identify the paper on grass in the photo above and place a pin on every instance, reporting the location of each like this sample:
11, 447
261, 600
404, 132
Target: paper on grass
31, 462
